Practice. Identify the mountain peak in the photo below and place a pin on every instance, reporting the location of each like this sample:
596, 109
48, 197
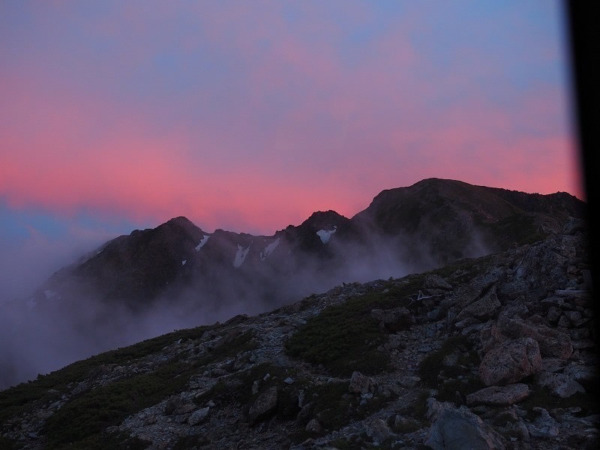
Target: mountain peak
180, 220
183, 224
324, 219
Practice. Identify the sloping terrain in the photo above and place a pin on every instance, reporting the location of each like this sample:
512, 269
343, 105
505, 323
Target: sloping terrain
492, 352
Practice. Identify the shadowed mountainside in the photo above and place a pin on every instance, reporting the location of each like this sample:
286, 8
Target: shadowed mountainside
419, 227
495, 352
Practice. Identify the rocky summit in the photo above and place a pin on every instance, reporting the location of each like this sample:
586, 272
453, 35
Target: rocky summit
495, 352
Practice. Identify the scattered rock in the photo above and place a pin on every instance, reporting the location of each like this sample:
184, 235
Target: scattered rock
198, 416
434, 281
360, 384
544, 425
510, 362
313, 426
483, 308
552, 343
378, 430
264, 405
499, 395
459, 429
559, 384
581, 373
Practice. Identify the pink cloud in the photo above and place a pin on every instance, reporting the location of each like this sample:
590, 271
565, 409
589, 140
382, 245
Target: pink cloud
292, 126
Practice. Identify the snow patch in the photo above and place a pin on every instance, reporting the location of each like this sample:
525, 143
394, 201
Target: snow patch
202, 242
269, 249
240, 255
325, 235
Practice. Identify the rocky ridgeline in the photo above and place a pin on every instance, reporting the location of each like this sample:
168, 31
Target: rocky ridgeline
491, 353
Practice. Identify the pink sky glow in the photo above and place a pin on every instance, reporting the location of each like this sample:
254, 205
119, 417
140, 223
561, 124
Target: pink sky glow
250, 118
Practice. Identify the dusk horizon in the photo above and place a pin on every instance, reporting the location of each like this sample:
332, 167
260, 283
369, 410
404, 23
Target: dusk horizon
249, 118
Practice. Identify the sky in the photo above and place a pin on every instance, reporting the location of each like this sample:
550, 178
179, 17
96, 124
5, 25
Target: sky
249, 116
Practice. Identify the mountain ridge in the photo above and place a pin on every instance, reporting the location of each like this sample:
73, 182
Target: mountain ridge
491, 205
177, 275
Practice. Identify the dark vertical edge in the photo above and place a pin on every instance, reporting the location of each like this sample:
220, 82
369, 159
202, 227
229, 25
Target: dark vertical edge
583, 32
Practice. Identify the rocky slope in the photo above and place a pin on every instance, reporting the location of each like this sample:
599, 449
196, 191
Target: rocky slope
487, 353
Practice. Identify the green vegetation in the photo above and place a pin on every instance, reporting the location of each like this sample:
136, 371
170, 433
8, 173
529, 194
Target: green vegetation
344, 338
230, 345
90, 413
238, 388
335, 407
416, 407
331, 403
435, 366
465, 269
85, 416
48, 388
80, 422
517, 229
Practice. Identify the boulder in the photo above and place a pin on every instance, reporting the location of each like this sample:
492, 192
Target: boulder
198, 416
499, 395
313, 426
360, 384
552, 343
544, 425
582, 373
459, 429
178, 406
378, 430
559, 384
510, 362
264, 405
484, 308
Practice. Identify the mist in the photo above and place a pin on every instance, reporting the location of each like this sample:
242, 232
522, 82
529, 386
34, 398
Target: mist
44, 332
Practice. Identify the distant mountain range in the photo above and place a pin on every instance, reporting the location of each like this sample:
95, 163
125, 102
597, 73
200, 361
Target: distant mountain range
416, 228
177, 275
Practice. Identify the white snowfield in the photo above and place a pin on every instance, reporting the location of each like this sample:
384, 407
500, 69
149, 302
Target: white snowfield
240, 255
202, 242
325, 235
269, 249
